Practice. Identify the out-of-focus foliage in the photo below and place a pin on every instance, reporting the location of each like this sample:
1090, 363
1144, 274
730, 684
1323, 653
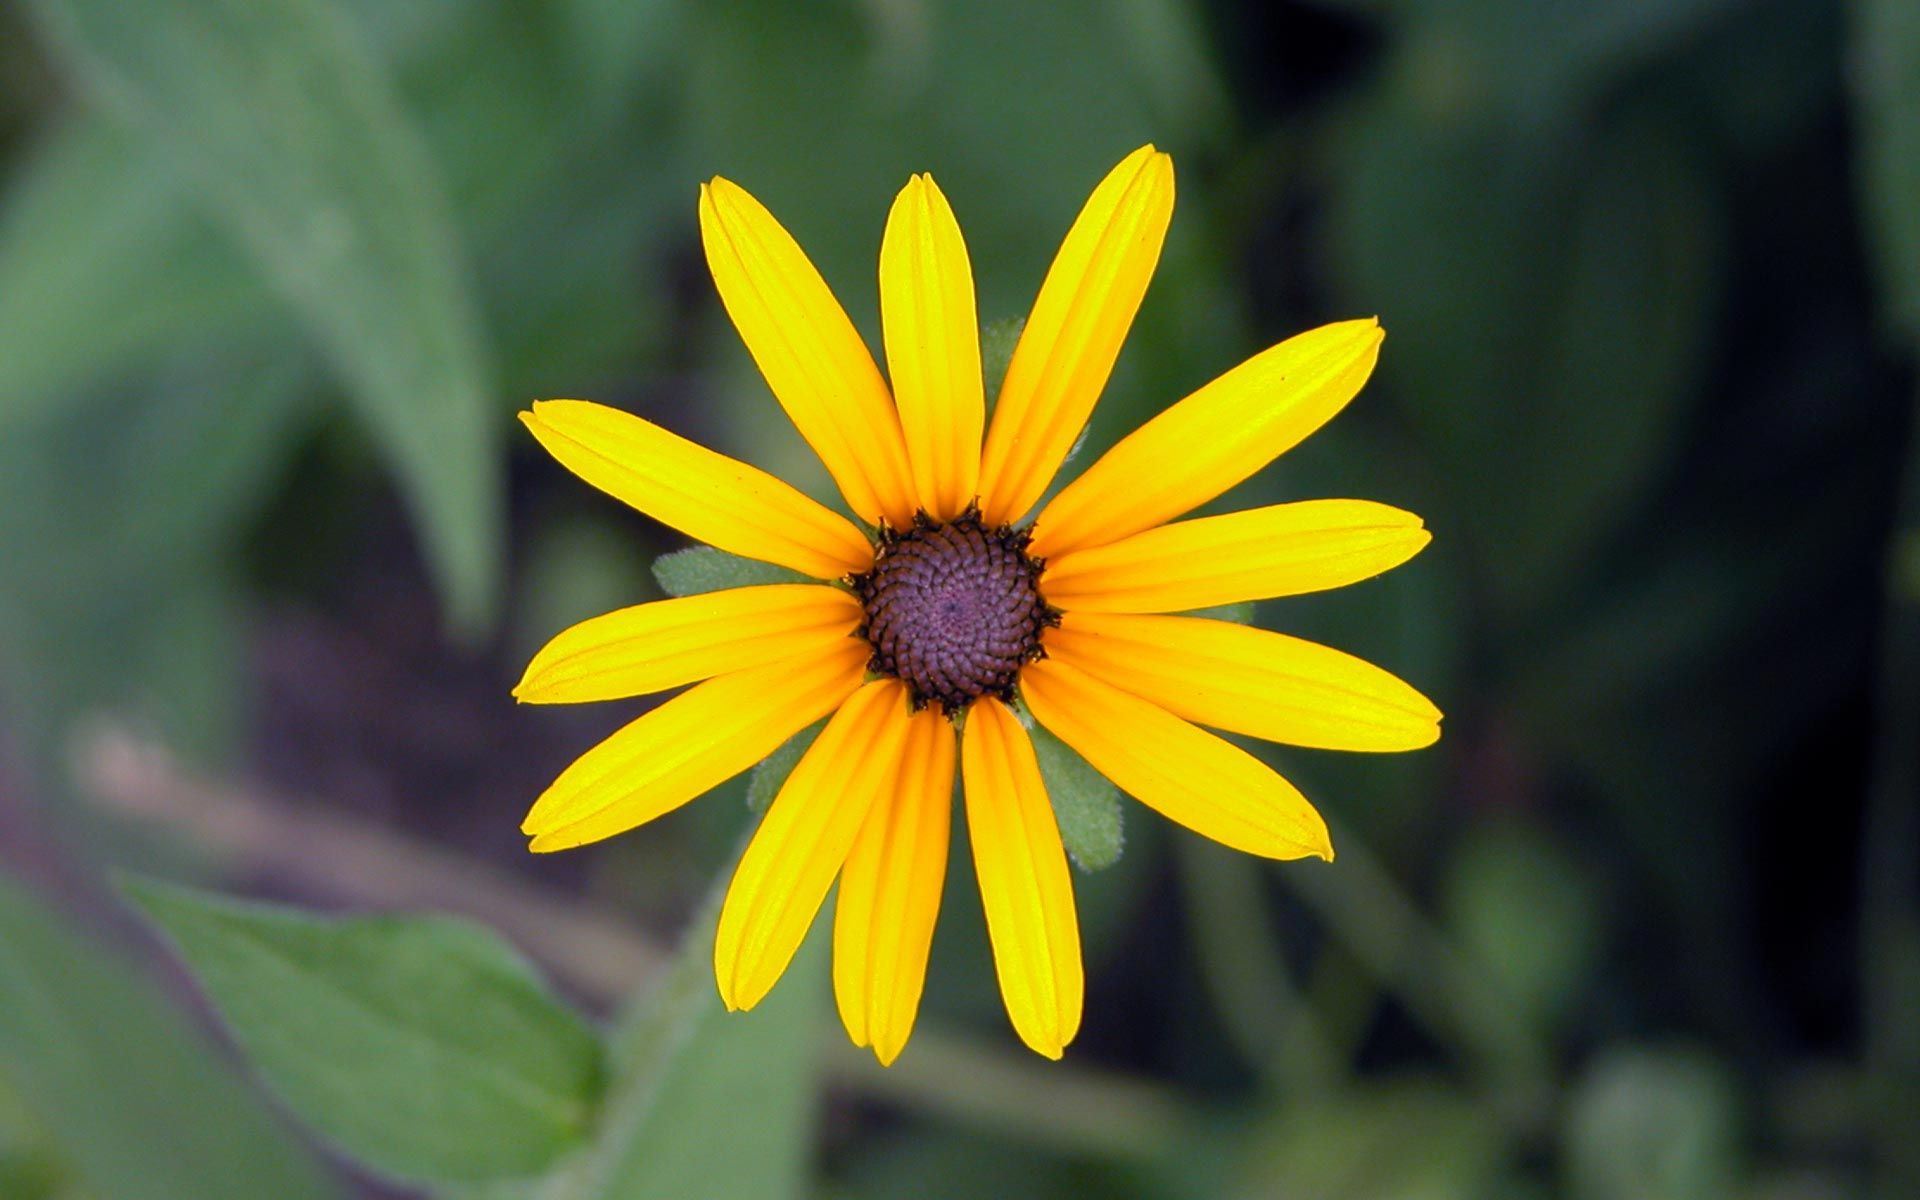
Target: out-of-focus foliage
420, 1046
130, 1099
274, 277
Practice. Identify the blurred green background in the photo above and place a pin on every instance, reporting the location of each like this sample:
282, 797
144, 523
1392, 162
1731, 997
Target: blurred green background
275, 274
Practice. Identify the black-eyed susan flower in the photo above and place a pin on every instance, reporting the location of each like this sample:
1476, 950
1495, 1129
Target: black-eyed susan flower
944, 617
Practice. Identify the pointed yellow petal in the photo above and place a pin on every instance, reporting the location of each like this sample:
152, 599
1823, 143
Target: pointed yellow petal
890, 893
653, 647
1213, 439
1024, 884
695, 741
804, 839
1074, 333
809, 352
1185, 773
1250, 681
933, 346
1281, 550
719, 500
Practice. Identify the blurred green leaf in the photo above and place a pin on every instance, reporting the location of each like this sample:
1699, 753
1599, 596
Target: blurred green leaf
706, 1102
771, 773
1623, 348
1166, 41
137, 474
614, 42
290, 131
94, 228
1547, 312
423, 1046
169, 657
1645, 1124
704, 569
1537, 59
1086, 806
134, 1100
1886, 80
1767, 75
151, 480
30, 1169
567, 194
1528, 913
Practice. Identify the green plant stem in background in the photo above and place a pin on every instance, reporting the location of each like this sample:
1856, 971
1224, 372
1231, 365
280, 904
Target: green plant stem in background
1260, 1007
1070, 1110
1890, 867
655, 1024
1886, 78
1441, 987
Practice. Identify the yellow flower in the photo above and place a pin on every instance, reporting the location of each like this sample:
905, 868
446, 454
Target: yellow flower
923, 639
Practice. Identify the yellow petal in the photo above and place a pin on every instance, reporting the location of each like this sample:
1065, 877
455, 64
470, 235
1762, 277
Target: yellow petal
1024, 884
890, 893
804, 839
695, 741
809, 352
719, 500
1213, 439
1250, 681
933, 346
1281, 550
653, 647
1183, 772
1074, 333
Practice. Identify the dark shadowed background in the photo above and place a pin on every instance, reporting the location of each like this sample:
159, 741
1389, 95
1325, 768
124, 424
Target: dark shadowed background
274, 277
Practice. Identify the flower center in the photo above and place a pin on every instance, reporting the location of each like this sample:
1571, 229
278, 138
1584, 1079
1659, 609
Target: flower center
952, 610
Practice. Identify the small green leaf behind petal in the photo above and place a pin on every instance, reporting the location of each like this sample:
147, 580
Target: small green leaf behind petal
422, 1046
1237, 614
997, 340
704, 569
1085, 804
765, 782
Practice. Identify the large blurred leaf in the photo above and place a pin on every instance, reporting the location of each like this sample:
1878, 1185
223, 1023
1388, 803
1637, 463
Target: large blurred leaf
1886, 48
422, 1046
141, 471
93, 233
290, 131
1547, 313
705, 1102
568, 192
615, 41
134, 1099
115, 514
1534, 59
